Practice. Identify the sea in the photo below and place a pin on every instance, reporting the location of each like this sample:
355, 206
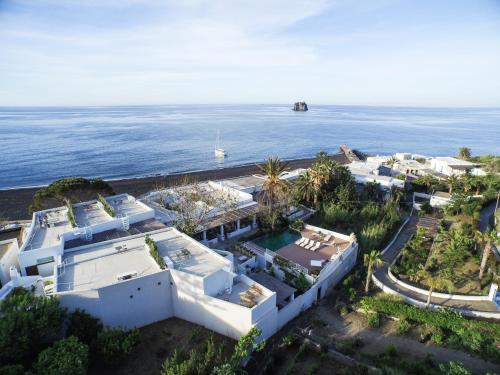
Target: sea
40, 145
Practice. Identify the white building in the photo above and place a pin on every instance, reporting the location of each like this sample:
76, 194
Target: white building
233, 214
104, 266
451, 166
51, 231
364, 172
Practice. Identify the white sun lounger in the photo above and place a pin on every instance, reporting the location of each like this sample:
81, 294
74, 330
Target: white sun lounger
305, 242
327, 238
301, 241
310, 245
316, 246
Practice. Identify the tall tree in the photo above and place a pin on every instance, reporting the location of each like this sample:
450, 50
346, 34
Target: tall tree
319, 175
371, 260
304, 187
274, 188
452, 182
464, 153
488, 239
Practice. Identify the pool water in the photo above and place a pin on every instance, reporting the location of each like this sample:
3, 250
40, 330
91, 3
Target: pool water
277, 240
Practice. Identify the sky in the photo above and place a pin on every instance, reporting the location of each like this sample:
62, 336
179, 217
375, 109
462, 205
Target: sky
364, 52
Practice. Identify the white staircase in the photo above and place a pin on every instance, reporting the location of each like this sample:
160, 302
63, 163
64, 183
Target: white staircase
125, 222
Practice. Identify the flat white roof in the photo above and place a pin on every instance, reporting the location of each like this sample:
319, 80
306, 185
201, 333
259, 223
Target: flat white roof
187, 254
125, 204
99, 265
49, 225
454, 161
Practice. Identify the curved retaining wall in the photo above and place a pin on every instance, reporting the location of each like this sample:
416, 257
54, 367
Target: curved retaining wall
457, 297
411, 301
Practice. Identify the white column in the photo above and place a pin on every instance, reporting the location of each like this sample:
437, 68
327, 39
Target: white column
204, 235
222, 231
254, 223
238, 224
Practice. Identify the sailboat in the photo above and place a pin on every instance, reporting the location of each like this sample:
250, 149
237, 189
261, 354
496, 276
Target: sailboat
219, 152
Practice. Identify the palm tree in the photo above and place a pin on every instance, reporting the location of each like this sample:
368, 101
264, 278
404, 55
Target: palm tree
433, 282
452, 182
467, 182
304, 187
429, 181
274, 187
391, 162
488, 238
319, 174
371, 260
437, 282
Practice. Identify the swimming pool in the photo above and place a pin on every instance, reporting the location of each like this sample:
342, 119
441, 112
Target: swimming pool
276, 241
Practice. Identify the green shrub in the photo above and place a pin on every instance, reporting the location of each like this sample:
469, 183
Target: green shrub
153, 251
288, 340
113, 345
297, 225
71, 213
301, 283
107, 207
28, 324
65, 357
373, 320
437, 337
65, 187
403, 326
84, 326
341, 308
473, 335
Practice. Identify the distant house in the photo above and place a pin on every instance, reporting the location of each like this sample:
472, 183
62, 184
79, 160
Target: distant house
364, 172
451, 166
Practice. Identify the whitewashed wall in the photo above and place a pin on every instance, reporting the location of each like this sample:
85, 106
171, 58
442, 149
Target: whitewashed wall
9, 259
113, 305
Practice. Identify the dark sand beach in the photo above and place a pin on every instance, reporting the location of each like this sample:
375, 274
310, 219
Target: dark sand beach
14, 203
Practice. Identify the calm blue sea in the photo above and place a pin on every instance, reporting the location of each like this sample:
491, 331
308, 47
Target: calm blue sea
39, 145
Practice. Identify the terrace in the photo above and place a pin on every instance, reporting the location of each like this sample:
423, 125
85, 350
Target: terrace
48, 228
246, 293
311, 249
125, 205
89, 213
187, 255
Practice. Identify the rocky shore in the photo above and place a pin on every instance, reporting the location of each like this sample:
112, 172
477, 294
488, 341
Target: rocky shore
14, 203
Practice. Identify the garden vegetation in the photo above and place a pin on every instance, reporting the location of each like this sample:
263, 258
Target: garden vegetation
38, 336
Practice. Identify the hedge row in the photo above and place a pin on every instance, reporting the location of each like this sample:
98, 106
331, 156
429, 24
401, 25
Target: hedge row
109, 210
153, 251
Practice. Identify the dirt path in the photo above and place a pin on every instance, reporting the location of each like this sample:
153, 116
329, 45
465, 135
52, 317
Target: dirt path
375, 340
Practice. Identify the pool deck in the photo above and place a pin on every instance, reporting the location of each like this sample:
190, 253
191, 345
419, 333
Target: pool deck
300, 255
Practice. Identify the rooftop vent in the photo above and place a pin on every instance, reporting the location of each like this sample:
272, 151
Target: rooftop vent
126, 276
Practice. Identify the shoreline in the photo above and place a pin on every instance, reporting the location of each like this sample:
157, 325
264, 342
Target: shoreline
14, 202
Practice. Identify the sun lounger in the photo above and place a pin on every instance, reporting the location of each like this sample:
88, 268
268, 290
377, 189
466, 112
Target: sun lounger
327, 238
316, 246
311, 244
300, 241
305, 242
